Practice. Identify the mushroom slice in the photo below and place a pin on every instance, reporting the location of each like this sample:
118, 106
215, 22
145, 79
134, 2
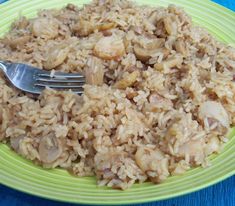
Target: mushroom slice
215, 110
50, 148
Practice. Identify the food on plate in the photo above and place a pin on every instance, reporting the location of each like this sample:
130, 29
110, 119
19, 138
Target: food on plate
159, 96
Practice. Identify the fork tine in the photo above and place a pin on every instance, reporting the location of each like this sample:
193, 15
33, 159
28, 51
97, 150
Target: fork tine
61, 80
57, 86
77, 92
62, 76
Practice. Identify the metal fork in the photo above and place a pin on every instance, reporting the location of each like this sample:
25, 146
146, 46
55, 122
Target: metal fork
34, 80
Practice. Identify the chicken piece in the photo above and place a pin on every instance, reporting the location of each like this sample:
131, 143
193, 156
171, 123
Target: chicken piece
50, 148
127, 80
214, 110
158, 101
193, 148
56, 56
15, 142
94, 71
213, 145
152, 160
45, 28
109, 48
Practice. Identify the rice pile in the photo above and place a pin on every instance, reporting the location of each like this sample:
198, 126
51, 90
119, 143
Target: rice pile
159, 97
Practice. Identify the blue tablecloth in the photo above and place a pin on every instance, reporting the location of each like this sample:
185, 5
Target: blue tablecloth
221, 194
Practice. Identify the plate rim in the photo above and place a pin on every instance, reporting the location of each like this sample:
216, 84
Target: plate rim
174, 195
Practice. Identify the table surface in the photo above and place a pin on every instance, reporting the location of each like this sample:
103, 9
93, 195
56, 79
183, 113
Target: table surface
221, 194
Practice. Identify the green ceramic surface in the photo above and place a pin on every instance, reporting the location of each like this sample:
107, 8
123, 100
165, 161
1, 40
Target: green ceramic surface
57, 184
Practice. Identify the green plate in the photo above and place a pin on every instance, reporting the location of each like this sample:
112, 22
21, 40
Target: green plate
57, 184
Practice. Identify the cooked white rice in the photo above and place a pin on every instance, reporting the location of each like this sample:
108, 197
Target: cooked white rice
159, 98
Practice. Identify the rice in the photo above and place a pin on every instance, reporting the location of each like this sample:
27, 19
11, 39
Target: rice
159, 98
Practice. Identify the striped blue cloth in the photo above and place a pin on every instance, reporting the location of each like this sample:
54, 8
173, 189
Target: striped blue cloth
221, 194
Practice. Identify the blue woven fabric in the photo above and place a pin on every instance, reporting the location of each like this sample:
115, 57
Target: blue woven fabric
230, 4
221, 194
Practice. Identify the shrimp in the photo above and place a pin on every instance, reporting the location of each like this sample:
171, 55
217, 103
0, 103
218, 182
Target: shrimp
109, 48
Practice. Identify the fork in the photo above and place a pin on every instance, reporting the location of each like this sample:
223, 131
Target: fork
33, 80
